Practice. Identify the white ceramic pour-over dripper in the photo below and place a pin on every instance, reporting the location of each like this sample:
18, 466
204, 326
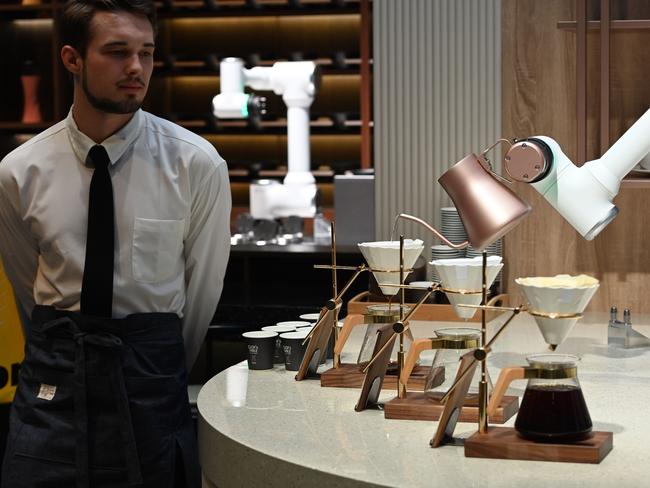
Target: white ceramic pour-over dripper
562, 294
385, 255
466, 274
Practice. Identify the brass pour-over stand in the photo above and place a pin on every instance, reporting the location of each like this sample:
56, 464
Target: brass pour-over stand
349, 375
341, 375
416, 406
319, 337
504, 442
376, 369
422, 406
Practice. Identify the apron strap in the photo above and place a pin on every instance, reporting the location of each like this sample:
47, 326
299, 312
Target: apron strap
112, 344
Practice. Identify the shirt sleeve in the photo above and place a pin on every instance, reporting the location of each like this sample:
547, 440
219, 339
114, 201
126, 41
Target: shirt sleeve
18, 248
206, 248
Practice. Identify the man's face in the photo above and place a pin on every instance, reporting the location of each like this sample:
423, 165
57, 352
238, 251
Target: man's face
118, 63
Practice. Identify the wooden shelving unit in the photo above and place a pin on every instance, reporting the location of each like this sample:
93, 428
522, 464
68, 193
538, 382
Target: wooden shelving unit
194, 35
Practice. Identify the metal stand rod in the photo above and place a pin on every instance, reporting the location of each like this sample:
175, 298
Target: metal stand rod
483, 385
337, 358
401, 386
482, 351
332, 303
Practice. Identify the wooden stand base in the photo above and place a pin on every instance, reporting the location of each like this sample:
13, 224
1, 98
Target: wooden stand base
505, 443
349, 376
418, 407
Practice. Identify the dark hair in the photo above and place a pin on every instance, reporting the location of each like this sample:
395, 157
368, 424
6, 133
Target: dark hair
74, 25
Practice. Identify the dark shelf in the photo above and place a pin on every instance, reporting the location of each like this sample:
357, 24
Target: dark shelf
174, 95
26, 128
221, 8
641, 24
322, 125
18, 11
199, 67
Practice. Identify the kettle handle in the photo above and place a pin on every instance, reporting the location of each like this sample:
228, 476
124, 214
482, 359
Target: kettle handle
417, 346
506, 376
349, 323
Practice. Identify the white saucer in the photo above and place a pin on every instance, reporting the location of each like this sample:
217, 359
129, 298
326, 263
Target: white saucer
310, 316
638, 170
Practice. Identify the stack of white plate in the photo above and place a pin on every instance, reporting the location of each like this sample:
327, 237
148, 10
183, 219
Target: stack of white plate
451, 226
494, 249
444, 252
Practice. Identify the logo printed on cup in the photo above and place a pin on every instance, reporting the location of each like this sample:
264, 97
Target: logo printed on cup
261, 346
293, 348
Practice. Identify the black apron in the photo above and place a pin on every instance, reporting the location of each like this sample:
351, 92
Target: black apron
102, 403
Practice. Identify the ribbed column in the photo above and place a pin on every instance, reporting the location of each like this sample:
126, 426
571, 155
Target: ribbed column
437, 97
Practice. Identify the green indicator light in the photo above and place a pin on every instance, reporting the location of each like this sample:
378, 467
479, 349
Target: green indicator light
244, 109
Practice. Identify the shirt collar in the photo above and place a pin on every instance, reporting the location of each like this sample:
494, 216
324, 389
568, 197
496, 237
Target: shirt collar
115, 145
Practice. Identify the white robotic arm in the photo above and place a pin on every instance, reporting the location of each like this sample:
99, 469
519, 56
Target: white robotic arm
582, 195
296, 83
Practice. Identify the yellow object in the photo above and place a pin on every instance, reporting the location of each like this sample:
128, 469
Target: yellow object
559, 281
12, 341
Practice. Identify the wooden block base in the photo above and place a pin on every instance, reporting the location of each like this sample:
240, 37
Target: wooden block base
418, 407
349, 376
505, 443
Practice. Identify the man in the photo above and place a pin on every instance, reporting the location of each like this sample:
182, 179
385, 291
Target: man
115, 237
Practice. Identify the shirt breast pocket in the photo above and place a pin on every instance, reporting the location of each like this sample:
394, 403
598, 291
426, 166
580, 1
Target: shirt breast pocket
157, 247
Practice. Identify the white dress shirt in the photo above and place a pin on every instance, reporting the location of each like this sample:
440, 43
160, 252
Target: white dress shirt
172, 229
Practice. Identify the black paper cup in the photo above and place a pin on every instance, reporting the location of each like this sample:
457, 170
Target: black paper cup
261, 346
293, 348
278, 355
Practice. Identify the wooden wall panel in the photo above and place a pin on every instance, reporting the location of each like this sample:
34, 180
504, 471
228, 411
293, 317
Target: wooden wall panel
538, 75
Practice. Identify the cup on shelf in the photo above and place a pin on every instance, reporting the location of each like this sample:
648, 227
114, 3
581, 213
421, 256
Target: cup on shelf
261, 348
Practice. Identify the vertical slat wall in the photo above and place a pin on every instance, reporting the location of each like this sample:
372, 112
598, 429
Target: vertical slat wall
437, 97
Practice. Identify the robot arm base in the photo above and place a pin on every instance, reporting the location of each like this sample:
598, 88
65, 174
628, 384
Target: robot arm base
271, 199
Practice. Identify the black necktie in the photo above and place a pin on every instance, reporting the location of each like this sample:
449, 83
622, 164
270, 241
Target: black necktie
97, 285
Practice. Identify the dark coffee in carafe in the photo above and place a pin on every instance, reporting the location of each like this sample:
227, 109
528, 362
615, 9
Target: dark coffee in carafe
553, 413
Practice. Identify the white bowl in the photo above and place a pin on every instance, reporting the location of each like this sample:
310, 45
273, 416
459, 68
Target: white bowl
466, 274
562, 294
384, 255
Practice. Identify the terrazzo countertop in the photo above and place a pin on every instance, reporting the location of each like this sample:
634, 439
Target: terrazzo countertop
263, 428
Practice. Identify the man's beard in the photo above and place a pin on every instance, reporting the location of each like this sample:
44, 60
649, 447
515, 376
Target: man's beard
107, 105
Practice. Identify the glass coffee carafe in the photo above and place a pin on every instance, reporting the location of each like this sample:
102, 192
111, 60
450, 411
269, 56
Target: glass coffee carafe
553, 408
378, 316
451, 344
